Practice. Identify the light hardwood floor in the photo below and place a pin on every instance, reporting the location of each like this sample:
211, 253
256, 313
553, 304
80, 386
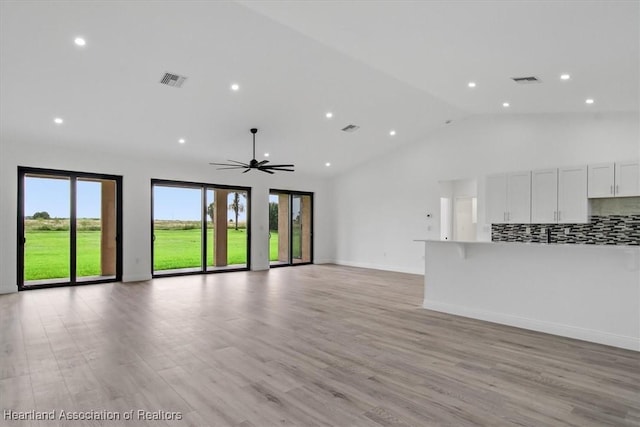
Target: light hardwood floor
305, 346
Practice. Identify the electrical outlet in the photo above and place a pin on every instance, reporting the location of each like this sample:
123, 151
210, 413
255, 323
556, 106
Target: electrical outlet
543, 230
528, 230
567, 230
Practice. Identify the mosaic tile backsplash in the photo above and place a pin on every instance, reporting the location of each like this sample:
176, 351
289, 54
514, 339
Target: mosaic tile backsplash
602, 230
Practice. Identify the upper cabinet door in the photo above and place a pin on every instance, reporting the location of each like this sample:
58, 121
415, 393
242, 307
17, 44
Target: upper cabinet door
519, 197
496, 191
601, 180
627, 179
544, 196
573, 205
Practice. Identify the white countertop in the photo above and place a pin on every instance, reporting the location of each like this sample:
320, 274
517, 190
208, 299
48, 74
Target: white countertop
563, 245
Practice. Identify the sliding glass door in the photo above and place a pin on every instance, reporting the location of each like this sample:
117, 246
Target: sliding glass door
177, 228
290, 228
199, 228
69, 223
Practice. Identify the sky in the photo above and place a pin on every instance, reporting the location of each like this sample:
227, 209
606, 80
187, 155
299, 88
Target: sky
52, 196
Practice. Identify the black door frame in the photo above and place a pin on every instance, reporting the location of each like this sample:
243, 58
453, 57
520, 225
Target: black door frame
292, 193
203, 186
73, 178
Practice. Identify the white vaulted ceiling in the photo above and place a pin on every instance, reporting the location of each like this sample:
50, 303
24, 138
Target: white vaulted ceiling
380, 65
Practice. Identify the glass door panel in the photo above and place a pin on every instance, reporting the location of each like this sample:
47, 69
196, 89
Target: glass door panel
296, 228
96, 234
236, 247
304, 225
278, 228
177, 229
211, 228
47, 225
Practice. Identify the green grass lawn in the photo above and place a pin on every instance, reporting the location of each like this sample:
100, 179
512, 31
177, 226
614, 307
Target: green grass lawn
47, 252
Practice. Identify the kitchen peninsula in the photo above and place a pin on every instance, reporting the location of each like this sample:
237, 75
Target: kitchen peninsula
588, 292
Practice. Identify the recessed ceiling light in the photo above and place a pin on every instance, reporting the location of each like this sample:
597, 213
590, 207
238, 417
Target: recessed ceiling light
471, 84
392, 133
565, 76
266, 154
329, 115
79, 41
327, 164
505, 104
589, 101
58, 121
182, 141
235, 87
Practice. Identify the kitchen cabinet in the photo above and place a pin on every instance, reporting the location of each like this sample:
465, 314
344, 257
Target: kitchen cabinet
573, 204
559, 196
509, 198
620, 179
519, 197
627, 179
544, 196
496, 191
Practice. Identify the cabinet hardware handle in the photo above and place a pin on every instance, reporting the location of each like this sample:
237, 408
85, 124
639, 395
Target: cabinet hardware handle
555, 215
611, 189
617, 189
559, 212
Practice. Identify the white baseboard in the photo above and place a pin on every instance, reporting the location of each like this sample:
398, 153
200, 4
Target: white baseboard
8, 291
136, 278
380, 267
600, 337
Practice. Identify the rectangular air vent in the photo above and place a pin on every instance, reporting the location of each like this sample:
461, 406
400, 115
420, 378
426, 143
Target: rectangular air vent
350, 128
525, 80
173, 80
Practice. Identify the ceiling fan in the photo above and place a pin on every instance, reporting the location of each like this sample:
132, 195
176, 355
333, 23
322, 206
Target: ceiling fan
254, 164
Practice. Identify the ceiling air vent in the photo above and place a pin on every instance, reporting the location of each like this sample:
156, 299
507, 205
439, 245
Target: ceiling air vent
526, 80
173, 80
350, 128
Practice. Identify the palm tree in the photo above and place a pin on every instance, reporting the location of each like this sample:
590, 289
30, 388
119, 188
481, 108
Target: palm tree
210, 209
236, 206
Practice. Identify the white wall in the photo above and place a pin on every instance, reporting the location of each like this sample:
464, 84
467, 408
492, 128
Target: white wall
380, 210
137, 174
565, 290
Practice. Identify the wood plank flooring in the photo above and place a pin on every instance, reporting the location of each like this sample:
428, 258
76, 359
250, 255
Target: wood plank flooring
315, 345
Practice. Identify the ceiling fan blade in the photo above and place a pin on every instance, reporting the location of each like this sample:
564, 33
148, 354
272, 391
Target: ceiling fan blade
264, 162
280, 166
265, 170
240, 163
234, 167
229, 164
277, 169
248, 169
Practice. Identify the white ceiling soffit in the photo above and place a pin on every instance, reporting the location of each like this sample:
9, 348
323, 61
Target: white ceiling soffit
440, 46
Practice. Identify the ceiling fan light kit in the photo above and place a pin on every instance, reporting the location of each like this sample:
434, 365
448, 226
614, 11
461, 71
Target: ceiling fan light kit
254, 164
